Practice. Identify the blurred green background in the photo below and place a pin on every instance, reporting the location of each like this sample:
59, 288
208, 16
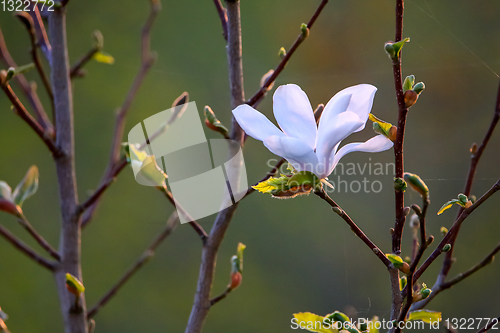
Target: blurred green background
300, 256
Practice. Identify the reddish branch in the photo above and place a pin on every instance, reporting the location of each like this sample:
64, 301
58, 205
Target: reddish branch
222, 16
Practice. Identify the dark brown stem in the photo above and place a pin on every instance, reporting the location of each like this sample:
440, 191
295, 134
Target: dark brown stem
26, 116
75, 69
148, 254
147, 61
263, 90
454, 228
28, 90
337, 209
489, 325
70, 246
41, 33
21, 246
398, 144
475, 157
39, 239
222, 16
219, 298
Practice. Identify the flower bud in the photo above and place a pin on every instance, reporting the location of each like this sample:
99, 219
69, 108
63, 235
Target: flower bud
446, 248
417, 184
430, 240
304, 30
473, 149
415, 221
236, 279
410, 98
389, 48
400, 184
393, 132
406, 210
264, 79
74, 285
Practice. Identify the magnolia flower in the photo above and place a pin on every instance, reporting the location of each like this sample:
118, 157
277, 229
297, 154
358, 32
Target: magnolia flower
308, 147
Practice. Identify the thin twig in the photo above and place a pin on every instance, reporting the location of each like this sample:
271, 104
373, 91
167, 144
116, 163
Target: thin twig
263, 90
222, 16
41, 33
337, 209
148, 254
453, 229
30, 27
26, 116
195, 225
39, 239
75, 69
28, 89
21, 246
147, 60
219, 298
475, 157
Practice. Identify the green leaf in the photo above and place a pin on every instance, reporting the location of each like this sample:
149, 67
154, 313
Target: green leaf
384, 126
103, 57
271, 184
399, 45
213, 123
27, 187
426, 316
239, 255
396, 260
402, 282
312, 321
146, 164
417, 184
408, 83
74, 285
461, 202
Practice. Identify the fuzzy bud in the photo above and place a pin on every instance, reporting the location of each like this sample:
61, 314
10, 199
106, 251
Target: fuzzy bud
410, 98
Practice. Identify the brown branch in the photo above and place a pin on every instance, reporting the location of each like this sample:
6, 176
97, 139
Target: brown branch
475, 157
489, 325
455, 227
21, 246
148, 254
26, 116
41, 33
147, 60
222, 16
337, 209
398, 144
219, 298
28, 89
263, 90
39, 239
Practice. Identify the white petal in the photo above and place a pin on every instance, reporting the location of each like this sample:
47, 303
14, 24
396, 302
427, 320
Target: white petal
330, 134
294, 113
297, 152
255, 123
357, 99
374, 145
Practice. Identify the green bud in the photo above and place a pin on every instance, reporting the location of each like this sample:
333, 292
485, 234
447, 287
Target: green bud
417, 184
304, 178
408, 83
425, 292
338, 210
97, 40
10, 74
463, 198
402, 282
472, 198
407, 260
400, 184
304, 30
389, 48
446, 248
419, 87
443, 230
399, 45
339, 316
282, 52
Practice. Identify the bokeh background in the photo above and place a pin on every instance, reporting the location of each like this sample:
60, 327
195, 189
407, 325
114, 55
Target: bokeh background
300, 256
